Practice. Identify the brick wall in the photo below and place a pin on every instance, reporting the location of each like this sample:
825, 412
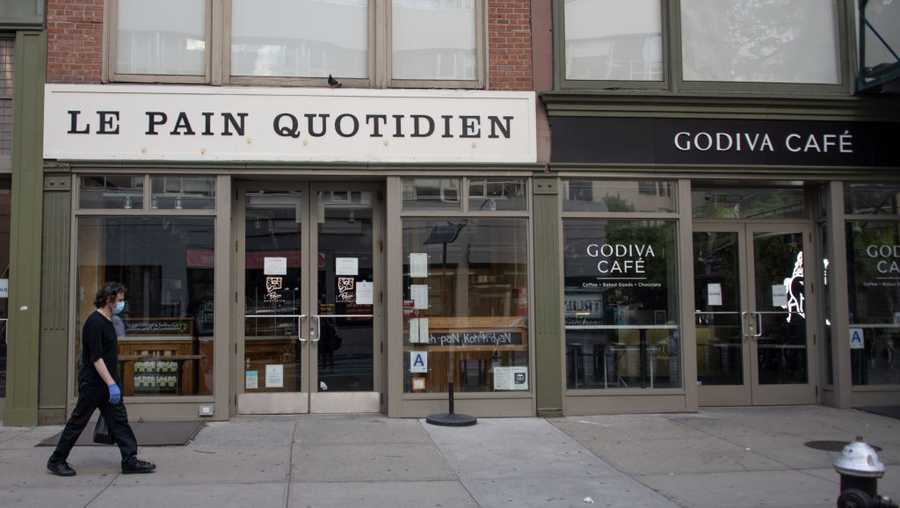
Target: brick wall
509, 45
74, 41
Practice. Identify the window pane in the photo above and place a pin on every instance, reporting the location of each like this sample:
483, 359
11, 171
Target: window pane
872, 199
614, 40
7, 68
876, 363
166, 265
493, 194
465, 304
5, 203
431, 194
873, 261
151, 40
125, 192
621, 289
300, 38
776, 41
618, 196
183, 192
748, 203
885, 18
433, 39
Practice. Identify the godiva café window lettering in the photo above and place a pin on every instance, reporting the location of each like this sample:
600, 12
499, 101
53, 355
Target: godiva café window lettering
621, 286
195, 123
873, 261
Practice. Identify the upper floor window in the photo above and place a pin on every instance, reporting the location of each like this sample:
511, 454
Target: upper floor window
691, 45
419, 43
779, 41
609, 40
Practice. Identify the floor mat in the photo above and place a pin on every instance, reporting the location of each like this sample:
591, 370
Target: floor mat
889, 411
147, 434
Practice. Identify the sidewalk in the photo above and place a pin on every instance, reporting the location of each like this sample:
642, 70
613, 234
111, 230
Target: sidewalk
716, 458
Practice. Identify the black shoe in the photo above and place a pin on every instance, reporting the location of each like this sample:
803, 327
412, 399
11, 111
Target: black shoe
137, 466
60, 468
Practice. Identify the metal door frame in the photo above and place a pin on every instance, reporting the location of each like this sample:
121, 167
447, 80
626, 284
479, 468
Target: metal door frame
750, 392
308, 399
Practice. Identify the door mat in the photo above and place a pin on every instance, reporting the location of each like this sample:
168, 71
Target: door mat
889, 411
147, 434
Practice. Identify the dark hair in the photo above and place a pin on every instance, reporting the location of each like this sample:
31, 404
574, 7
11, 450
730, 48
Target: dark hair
109, 290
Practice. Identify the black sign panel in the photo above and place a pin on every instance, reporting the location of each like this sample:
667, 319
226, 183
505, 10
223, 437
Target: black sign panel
712, 141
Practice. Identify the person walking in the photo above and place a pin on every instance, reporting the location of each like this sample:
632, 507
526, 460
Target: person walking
98, 387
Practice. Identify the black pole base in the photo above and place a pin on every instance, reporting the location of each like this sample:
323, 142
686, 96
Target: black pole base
451, 420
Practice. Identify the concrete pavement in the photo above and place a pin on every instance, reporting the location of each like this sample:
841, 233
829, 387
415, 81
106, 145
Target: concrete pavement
716, 458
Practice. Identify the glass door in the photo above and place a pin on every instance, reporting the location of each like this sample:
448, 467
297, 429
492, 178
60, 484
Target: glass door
753, 343
779, 335
310, 273
276, 310
342, 326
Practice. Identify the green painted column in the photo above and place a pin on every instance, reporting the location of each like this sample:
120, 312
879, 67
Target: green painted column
23, 330
547, 313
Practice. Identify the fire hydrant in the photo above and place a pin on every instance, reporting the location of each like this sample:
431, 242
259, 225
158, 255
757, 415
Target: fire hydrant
860, 470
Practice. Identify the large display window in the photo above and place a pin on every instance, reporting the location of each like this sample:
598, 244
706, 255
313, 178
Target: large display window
165, 260
465, 286
873, 262
621, 286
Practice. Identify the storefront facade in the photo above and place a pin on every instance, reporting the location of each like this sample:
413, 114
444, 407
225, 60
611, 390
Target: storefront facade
709, 200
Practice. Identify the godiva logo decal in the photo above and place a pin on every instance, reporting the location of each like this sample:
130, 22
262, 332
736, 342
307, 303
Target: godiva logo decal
763, 142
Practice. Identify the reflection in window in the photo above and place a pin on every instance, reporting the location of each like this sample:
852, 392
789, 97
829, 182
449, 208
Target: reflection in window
5, 203
433, 39
151, 40
772, 41
618, 196
621, 315
492, 194
183, 192
465, 304
873, 260
431, 193
748, 203
305, 38
614, 40
166, 265
872, 199
7, 70
113, 192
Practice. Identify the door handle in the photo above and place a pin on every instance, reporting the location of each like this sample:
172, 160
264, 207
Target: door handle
316, 332
300, 319
759, 325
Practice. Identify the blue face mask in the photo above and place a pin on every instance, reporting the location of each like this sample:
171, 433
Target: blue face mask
120, 306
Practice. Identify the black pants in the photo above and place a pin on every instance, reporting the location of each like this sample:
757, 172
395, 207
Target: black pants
89, 399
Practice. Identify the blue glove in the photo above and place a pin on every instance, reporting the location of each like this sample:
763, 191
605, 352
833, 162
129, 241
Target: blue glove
115, 394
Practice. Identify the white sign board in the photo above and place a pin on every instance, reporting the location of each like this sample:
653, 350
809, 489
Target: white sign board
203, 123
418, 265
275, 266
275, 376
510, 378
714, 294
364, 293
418, 362
857, 338
419, 293
346, 266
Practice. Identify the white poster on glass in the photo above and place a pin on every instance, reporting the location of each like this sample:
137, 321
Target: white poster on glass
275, 376
275, 266
419, 294
251, 380
418, 362
418, 265
346, 266
510, 378
714, 294
364, 293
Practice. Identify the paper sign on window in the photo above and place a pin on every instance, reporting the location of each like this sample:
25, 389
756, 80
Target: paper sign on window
418, 362
346, 266
275, 376
364, 293
419, 293
251, 380
779, 297
510, 378
714, 294
275, 266
418, 265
